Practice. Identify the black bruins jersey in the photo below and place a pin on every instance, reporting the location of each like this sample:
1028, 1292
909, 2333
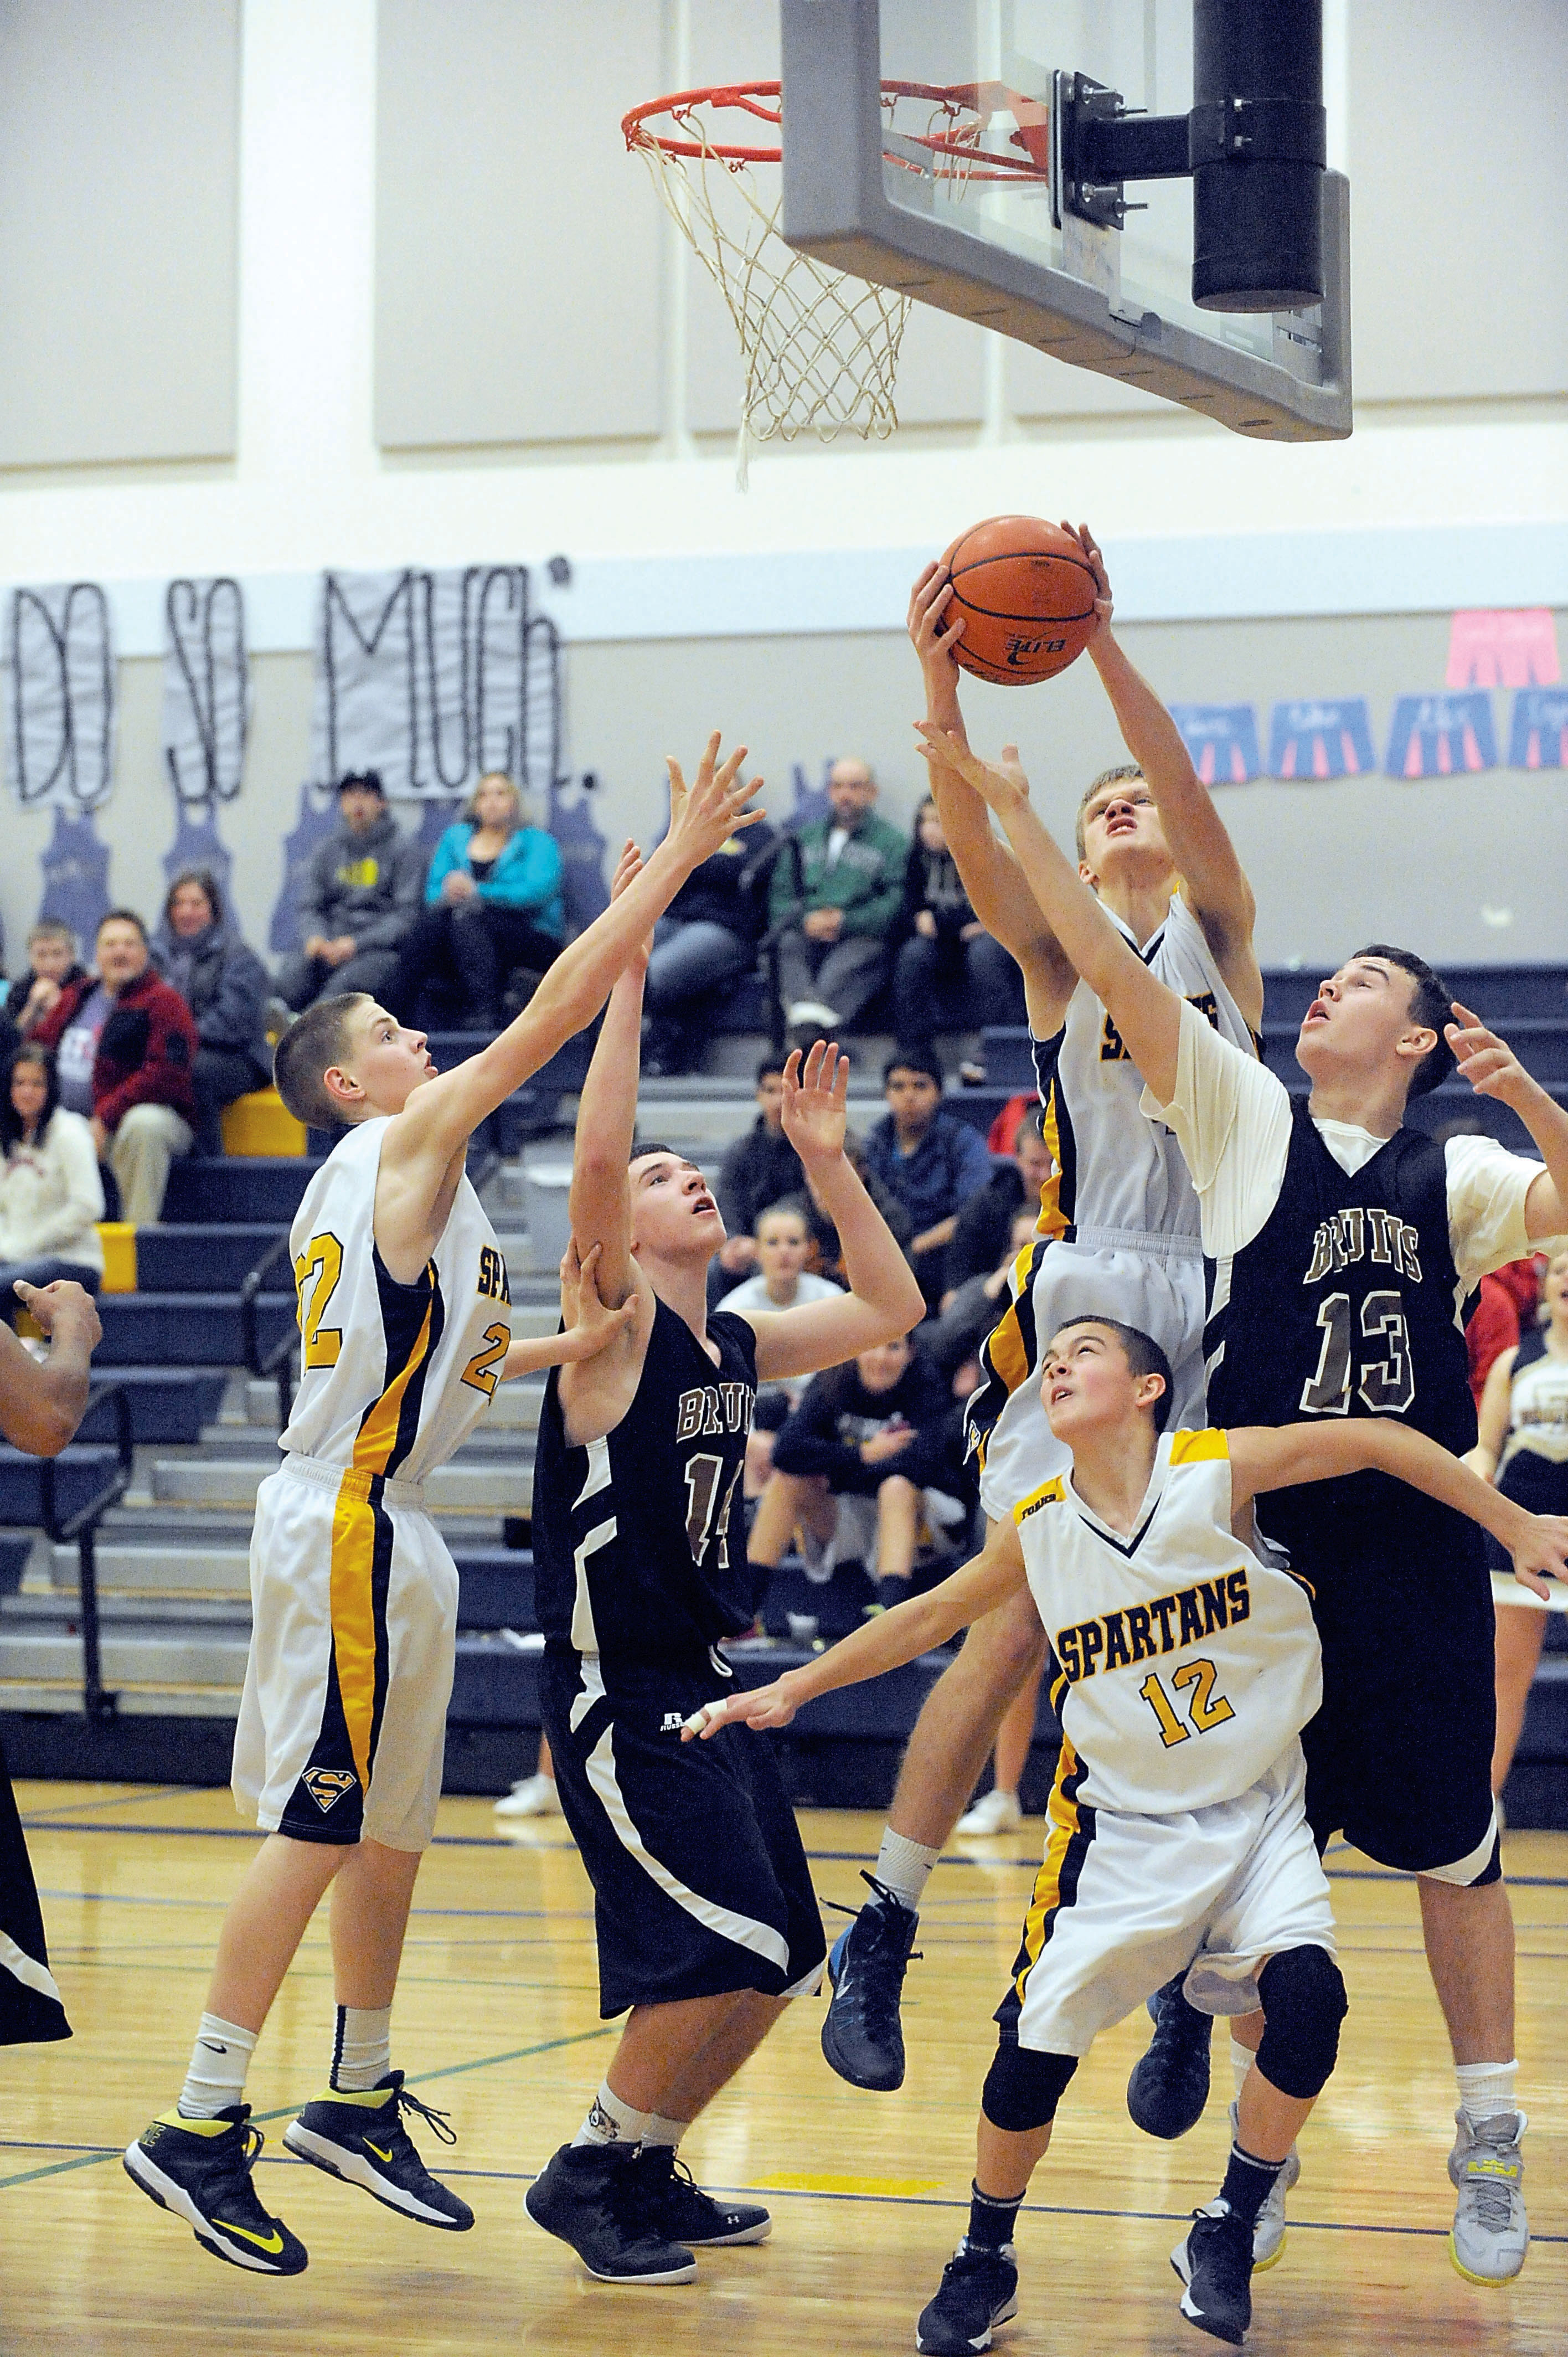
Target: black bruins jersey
1348, 1303
634, 1553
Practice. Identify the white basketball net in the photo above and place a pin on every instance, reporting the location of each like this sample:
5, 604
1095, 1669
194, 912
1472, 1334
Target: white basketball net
820, 349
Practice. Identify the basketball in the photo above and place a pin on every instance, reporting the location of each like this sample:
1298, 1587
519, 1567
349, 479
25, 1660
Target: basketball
1026, 596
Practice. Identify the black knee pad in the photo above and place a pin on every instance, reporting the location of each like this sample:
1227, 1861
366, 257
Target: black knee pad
1022, 2088
1305, 2003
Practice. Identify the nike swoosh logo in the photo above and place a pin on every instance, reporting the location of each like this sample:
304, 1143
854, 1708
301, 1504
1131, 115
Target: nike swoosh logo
377, 2151
271, 2242
210, 2047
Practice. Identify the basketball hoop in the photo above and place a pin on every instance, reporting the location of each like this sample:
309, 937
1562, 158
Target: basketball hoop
820, 349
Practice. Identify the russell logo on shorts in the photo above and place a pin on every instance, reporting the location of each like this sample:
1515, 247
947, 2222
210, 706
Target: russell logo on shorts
672, 1723
326, 1786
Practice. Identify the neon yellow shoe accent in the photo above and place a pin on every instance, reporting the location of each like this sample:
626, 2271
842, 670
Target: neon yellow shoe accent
378, 2153
194, 2128
1261, 2266
272, 2244
1485, 2283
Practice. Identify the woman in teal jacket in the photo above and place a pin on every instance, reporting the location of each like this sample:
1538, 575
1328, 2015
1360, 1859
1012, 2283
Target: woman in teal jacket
492, 901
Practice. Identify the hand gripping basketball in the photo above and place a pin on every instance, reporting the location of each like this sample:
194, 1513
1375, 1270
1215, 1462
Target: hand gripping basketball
1029, 593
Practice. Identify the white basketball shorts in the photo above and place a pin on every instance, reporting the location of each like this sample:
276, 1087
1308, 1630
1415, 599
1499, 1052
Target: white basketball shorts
1154, 1283
354, 1605
1123, 1903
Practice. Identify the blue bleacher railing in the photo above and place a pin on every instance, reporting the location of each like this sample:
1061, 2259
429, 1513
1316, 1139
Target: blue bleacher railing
81, 1524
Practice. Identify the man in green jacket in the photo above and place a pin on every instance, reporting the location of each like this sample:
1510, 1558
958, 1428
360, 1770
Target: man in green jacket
838, 898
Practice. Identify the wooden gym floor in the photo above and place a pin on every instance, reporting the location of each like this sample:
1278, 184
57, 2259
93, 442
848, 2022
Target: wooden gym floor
496, 2020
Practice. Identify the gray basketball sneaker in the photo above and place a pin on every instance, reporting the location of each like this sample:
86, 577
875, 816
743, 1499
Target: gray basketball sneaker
1491, 2232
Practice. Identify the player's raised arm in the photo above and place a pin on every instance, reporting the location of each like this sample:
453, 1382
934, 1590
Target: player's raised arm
600, 1207
1145, 1013
997, 890
1282, 1457
1493, 1069
885, 1299
885, 1643
441, 1116
1214, 883
590, 1326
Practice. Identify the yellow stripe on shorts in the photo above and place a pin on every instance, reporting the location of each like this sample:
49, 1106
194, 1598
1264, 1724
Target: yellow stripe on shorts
1061, 1814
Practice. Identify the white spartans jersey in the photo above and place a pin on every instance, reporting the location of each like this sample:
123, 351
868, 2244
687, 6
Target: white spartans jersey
1183, 1665
1119, 1228
393, 1377
1538, 1408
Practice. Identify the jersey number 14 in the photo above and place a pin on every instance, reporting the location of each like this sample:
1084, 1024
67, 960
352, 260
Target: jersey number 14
702, 1477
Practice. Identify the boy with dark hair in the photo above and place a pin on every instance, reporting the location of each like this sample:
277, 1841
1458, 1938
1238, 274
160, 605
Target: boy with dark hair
402, 1312
1344, 1244
928, 1158
760, 1168
707, 1923
1184, 1665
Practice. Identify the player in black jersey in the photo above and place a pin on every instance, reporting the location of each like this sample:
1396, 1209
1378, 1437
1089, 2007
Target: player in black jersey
707, 1923
1342, 1246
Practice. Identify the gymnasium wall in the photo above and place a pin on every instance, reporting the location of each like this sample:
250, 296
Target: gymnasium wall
284, 286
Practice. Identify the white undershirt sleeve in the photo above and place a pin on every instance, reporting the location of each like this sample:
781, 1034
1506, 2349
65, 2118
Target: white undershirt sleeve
1486, 1190
1232, 1121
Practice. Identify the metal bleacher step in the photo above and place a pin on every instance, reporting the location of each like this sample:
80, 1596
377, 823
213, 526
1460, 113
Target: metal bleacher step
489, 1483
60, 1697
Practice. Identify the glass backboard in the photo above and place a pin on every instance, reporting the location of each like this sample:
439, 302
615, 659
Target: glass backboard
919, 140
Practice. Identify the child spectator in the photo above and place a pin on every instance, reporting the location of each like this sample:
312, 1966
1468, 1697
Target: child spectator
51, 964
225, 986
760, 1168
950, 967
126, 1044
51, 1197
927, 1158
783, 1240
493, 902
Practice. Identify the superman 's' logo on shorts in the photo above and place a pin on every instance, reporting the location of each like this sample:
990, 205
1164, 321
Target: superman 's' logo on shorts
326, 1786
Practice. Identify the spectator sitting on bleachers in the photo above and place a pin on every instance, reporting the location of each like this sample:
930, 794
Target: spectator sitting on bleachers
865, 1453
783, 1240
950, 972
126, 1044
927, 1157
225, 986
51, 1196
760, 1168
1015, 1185
362, 894
972, 1311
706, 939
836, 890
492, 903
51, 964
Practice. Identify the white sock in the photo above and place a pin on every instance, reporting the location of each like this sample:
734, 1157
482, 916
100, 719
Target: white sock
610, 2121
361, 2048
216, 2079
904, 1867
1485, 2090
1242, 2060
657, 2129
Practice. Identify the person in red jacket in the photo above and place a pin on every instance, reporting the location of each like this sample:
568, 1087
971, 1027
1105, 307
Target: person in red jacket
124, 1043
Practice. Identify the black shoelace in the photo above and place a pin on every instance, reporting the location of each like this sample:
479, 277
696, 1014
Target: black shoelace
887, 1957
439, 2121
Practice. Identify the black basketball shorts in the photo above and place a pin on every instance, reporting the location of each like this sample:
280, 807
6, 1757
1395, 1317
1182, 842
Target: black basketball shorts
1400, 1757
701, 1885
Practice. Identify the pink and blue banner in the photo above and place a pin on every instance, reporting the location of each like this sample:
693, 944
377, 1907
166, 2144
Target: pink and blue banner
1538, 739
1222, 740
1503, 648
1441, 736
1323, 737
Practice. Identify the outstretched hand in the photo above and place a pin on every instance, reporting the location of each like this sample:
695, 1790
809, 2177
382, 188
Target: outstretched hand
936, 632
1000, 787
761, 1706
590, 1325
1541, 1556
816, 1103
1486, 1061
629, 868
1096, 562
703, 815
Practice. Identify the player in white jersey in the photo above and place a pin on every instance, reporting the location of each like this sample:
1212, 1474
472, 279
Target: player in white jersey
404, 1333
1184, 1664
1118, 1228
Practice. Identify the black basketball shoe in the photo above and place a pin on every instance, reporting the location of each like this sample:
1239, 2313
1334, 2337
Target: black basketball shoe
979, 2289
1214, 2260
671, 2205
360, 2138
1169, 2085
591, 2195
201, 2170
860, 2035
